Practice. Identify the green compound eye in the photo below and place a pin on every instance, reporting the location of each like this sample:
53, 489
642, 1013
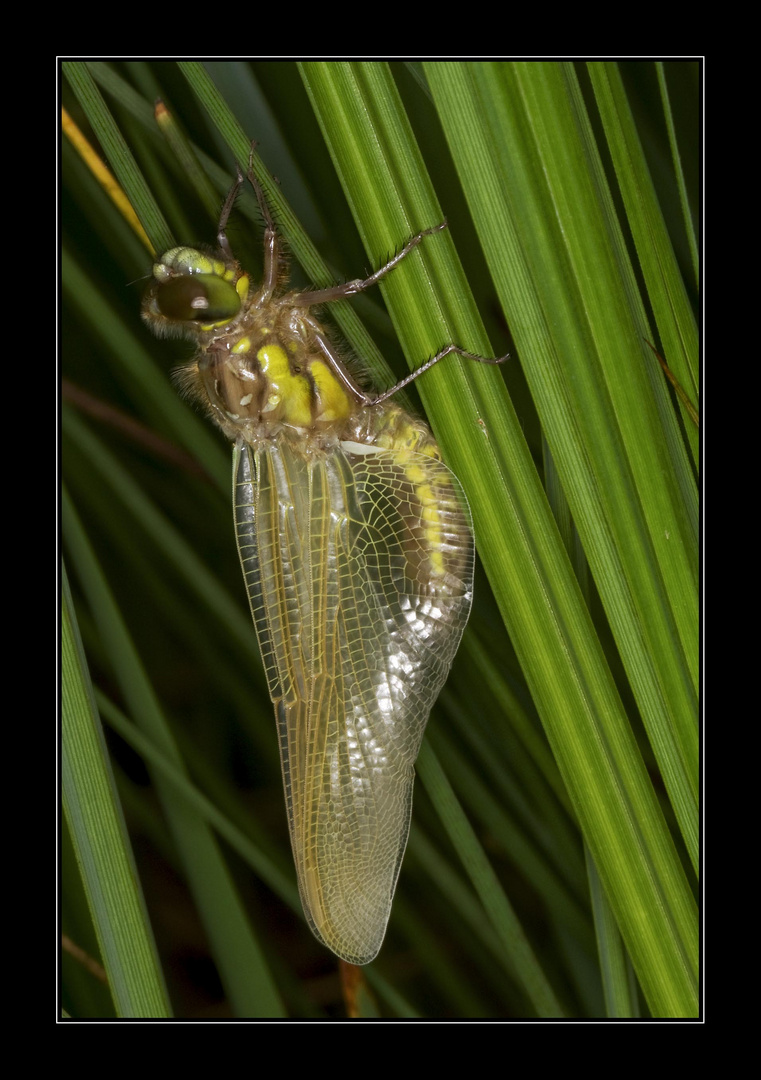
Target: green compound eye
200, 297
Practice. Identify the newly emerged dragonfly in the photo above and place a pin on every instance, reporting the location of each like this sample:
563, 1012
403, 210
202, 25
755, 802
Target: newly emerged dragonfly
357, 551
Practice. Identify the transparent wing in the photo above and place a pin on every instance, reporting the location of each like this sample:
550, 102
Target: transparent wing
359, 570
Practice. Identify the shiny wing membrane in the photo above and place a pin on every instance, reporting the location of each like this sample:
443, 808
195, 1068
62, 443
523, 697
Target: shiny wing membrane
359, 569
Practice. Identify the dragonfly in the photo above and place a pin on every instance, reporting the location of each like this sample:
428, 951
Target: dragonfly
356, 546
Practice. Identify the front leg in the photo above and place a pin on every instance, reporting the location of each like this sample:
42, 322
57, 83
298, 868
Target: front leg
351, 288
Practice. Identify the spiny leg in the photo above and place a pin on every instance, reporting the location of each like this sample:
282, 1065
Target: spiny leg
340, 372
351, 288
429, 364
224, 216
271, 243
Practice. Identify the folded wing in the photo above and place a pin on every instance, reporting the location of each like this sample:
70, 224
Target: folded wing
359, 568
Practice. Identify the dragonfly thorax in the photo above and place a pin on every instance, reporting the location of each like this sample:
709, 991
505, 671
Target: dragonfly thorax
266, 373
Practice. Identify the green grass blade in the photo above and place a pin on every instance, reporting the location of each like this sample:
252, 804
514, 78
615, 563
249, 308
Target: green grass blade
500, 911
666, 290
119, 156
249, 985
97, 828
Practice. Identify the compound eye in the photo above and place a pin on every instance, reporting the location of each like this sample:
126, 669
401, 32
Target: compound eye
198, 298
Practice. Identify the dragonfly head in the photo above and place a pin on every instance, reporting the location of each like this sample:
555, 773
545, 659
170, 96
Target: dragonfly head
193, 291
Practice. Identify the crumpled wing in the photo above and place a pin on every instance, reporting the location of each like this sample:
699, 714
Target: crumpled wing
359, 569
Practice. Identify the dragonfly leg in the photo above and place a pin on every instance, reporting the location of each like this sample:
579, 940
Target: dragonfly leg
337, 365
340, 372
271, 240
351, 288
224, 217
429, 364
